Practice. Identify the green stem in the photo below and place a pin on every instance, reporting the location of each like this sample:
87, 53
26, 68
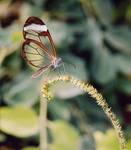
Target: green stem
43, 123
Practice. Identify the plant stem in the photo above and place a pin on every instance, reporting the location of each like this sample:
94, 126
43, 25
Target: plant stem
94, 94
43, 123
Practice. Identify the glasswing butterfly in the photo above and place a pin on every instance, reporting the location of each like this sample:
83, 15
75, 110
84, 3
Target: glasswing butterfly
35, 50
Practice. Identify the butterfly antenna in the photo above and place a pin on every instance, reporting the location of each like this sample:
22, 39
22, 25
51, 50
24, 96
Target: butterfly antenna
71, 64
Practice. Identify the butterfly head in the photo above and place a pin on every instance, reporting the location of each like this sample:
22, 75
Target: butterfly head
57, 63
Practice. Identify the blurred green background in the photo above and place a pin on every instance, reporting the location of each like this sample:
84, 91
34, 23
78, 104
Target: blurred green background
95, 35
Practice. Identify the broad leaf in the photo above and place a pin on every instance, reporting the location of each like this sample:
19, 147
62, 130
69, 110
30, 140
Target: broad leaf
30, 148
65, 136
119, 38
104, 10
106, 141
18, 121
22, 90
103, 67
123, 64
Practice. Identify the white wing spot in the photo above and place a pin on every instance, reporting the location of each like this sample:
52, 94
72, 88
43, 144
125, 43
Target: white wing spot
36, 27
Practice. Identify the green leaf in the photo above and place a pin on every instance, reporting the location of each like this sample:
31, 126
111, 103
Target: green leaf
75, 66
18, 121
8, 45
59, 109
16, 36
128, 13
107, 140
2, 137
103, 68
123, 64
124, 85
119, 38
94, 34
11, 35
22, 90
66, 10
65, 137
30, 148
87, 142
104, 10
129, 145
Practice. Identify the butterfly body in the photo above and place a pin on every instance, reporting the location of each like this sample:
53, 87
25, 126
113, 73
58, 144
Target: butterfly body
35, 50
57, 63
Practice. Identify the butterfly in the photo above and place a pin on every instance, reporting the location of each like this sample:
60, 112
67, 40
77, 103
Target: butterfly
37, 51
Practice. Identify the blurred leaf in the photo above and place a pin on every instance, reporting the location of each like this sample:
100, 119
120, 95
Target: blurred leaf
65, 137
38, 3
128, 128
26, 13
75, 66
11, 35
19, 121
11, 38
129, 145
3, 6
128, 13
123, 64
30, 148
91, 113
5, 51
94, 34
65, 90
119, 38
13, 63
59, 110
124, 85
106, 141
22, 90
2, 137
103, 68
87, 142
104, 10
68, 9
17, 36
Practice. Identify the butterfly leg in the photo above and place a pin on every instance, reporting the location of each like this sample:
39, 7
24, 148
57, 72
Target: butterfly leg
58, 72
50, 71
64, 68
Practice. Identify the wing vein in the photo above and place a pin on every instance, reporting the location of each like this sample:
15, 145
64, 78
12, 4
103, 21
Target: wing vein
37, 50
31, 53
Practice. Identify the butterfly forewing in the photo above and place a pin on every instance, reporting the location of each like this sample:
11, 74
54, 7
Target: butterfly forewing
35, 29
32, 35
34, 54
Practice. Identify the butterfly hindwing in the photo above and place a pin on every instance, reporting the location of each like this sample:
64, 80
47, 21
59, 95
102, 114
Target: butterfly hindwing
34, 54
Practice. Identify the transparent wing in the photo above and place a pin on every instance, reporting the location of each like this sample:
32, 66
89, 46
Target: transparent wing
40, 71
35, 54
36, 29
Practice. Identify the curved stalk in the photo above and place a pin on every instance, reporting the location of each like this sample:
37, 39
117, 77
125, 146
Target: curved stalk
94, 94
